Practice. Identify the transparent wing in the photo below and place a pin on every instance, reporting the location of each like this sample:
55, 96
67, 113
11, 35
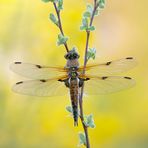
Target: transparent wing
36, 71
112, 67
104, 85
41, 88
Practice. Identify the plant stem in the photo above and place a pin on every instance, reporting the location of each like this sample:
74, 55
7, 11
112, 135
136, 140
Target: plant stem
60, 24
82, 89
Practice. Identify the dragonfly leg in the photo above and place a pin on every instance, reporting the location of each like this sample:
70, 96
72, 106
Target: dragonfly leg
81, 82
66, 81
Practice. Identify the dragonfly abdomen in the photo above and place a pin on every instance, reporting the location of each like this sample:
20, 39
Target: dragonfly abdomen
74, 93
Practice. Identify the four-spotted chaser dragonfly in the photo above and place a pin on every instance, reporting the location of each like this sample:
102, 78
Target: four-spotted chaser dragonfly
56, 81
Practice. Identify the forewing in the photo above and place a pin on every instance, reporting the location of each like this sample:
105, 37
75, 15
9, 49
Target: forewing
105, 85
36, 71
111, 67
41, 88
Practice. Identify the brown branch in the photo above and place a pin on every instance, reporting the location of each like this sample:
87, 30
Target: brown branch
82, 89
60, 24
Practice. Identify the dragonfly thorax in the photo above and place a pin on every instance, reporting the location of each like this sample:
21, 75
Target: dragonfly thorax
73, 74
73, 68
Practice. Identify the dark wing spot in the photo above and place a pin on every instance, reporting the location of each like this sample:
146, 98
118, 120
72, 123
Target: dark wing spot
17, 62
103, 78
19, 82
60, 80
38, 66
87, 79
129, 58
127, 78
108, 63
43, 80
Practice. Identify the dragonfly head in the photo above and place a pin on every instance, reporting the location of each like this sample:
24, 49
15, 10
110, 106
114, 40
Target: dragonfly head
72, 55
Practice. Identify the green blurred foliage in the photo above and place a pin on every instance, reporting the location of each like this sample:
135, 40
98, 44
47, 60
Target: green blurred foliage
26, 34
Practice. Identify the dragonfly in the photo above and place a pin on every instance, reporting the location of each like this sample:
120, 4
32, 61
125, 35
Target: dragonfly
57, 81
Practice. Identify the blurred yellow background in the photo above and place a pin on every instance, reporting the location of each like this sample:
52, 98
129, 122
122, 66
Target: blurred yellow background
27, 35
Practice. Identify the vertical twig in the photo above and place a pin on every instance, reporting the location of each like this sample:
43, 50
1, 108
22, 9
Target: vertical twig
85, 62
82, 89
60, 24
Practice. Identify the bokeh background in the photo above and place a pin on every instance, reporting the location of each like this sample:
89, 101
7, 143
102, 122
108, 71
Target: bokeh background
27, 35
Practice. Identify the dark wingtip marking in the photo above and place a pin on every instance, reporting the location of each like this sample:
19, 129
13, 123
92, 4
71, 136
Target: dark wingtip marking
87, 79
38, 66
128, 78
19, 82
43, 80
60, 80
108, 63
17, 62
103, 78
129, 58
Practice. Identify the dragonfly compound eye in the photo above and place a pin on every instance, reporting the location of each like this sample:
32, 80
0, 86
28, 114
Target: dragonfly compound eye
67, 56
75, 56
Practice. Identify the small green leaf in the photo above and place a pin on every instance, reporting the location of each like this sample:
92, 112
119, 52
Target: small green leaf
91, 28
89, 121
69, 109
84, 24
91, 54
46, 1
61, 39
83, 28
90, 9
53, 19
82, 139
60, 5
87, 14
101, 4
97, 12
